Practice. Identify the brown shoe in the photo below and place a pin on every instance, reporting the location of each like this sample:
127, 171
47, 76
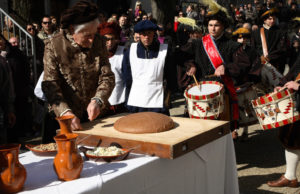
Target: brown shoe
283, 182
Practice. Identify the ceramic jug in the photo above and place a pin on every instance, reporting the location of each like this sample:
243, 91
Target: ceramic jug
13, 173
65, 123
68, 162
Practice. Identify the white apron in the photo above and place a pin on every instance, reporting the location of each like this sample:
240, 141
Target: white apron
118, 94
147, 79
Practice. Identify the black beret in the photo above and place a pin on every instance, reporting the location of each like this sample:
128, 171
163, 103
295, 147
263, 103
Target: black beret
145, 25
82, 12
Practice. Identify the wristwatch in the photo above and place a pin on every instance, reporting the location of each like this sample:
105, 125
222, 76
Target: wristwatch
98, 100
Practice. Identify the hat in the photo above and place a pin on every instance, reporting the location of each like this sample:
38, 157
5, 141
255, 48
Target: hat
241, 32
190, 24
145, 25
216, 12
268, 13
82, 12
110, 28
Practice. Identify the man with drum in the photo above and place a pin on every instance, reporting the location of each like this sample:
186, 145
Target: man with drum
289, 135
245, 72
211, 57
148, 72
270, 43
111, 32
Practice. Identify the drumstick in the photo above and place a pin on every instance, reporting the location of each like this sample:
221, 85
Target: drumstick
197, 82
296, 80
211, 75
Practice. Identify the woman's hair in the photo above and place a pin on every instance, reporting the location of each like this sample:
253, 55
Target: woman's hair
138, 3
79, 27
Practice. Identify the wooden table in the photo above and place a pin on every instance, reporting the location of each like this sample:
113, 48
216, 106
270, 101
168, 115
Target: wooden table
187, 135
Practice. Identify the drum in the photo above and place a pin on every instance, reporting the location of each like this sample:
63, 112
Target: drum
276, 109
246, 112
206, 101
270, 77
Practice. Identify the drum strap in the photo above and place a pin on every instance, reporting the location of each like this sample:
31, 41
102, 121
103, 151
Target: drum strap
263, 41
217, 60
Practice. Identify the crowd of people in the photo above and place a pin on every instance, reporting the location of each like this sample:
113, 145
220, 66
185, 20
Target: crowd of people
91, 65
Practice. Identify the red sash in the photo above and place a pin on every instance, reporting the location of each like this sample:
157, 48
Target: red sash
217, 60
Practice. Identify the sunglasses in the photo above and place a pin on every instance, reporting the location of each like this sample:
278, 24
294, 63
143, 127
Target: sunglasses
46, 22
29, 29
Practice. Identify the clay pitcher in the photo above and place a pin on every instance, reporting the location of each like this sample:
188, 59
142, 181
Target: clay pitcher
13, 173
65, 123
68, 162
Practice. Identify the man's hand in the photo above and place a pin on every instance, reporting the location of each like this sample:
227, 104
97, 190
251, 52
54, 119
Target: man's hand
292, 85
220, 71
264, 59
93, 110
75, 124
191, 71
11, 118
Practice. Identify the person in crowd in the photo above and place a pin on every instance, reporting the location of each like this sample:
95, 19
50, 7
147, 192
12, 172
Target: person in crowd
275, 51
77, 76
8, 28
245, 71
135, 37
181, 14
20, 73
150, 17
101, 17
111, 32
36, 26
202, 65
39, 47
14, 41
138, 11
249, 13
7, 115
147, 70
47, 30
144, 17
191, 13
125, 29
289, 135
54, 23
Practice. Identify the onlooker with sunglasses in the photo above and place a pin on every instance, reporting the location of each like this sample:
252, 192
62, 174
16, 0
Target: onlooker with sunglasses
47, 30
39, 47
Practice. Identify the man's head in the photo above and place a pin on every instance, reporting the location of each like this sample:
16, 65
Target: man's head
146, 29
14, 41
84, 34
242, 35
269, 17
123, 20
270, 21
46, 24
215, 28
111, 32
82, 21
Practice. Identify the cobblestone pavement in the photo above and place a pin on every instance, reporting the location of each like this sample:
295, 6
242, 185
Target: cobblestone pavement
259, 159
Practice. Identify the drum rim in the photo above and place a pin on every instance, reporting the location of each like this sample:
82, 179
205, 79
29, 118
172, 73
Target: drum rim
268, 99
280, 123
204, 97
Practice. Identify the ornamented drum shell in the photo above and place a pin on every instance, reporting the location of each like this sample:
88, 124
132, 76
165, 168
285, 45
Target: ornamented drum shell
276, 109
208, 105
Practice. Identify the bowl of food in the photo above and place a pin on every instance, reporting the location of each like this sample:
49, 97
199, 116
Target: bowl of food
49, 149
108, 154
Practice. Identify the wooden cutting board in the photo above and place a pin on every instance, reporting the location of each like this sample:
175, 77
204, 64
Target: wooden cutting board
187, 135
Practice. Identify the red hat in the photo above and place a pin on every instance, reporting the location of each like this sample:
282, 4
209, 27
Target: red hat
110, 28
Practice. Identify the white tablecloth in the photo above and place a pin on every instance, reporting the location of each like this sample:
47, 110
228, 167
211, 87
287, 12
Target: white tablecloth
209, 169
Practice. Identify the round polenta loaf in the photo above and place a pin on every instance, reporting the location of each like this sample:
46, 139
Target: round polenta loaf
144, 122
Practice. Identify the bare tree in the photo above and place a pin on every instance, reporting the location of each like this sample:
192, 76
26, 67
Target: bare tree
163, 10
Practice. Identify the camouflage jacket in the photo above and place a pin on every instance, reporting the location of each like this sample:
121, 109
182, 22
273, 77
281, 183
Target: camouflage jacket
74, 75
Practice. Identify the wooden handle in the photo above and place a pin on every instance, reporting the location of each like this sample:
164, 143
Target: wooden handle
11, 167
196, 82
211, 75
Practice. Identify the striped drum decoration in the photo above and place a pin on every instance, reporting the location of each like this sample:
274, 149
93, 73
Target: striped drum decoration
205, 101
276, 109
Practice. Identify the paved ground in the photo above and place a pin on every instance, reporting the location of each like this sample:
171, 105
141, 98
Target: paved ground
259, 159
